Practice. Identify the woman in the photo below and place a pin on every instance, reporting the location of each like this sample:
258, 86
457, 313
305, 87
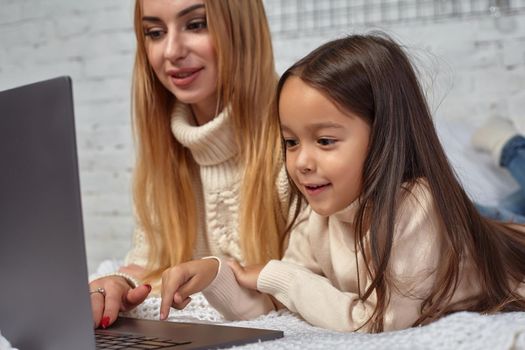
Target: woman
207, 162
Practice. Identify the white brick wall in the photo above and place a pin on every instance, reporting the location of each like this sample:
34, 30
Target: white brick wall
93, 42
477, 68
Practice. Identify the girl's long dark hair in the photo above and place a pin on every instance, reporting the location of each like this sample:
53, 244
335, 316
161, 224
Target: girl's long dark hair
371, 76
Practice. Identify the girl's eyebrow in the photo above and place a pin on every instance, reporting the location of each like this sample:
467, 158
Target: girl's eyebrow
181, 13
316, 126
284, 128
325, 125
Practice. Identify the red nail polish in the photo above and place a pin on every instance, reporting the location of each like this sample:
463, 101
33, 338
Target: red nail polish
105, 322
149, 287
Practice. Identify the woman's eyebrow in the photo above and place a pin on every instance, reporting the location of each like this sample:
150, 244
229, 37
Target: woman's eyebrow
151, 19
181, 13
189, 9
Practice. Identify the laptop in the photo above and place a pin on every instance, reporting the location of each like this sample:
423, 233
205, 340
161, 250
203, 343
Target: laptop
44, 297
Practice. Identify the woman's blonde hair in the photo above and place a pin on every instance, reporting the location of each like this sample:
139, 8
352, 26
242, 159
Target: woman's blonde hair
163, 188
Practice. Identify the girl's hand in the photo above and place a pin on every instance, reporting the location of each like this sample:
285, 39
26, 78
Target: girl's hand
119, 296
181, 281
246, 275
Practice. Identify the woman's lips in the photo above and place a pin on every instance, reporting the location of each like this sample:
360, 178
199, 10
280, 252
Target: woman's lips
184, 78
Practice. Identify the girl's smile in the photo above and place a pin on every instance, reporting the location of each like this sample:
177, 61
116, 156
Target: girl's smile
314, 190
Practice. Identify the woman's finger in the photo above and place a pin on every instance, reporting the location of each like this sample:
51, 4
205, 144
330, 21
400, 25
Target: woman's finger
136, 296
97, 306
112, 304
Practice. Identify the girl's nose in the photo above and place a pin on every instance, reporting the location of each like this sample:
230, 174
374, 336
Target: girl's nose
305, 170
305, 162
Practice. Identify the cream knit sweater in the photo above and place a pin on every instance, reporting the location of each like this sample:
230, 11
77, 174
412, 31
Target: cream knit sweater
214, 149
317, 277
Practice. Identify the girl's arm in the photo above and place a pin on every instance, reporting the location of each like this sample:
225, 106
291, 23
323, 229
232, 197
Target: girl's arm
232, 300
233, 292
313, 296
301, 286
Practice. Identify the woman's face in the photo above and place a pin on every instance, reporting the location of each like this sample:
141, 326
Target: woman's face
180, 50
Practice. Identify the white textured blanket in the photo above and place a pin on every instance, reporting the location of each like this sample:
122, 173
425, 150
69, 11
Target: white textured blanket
463, 330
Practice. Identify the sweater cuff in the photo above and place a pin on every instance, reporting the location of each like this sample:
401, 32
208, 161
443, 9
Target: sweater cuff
222, 289
276, 279
233, 301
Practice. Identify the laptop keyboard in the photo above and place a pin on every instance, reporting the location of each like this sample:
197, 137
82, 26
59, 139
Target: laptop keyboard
109, 340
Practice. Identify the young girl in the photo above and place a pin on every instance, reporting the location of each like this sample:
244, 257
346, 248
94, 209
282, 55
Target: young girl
394, 241
203, 83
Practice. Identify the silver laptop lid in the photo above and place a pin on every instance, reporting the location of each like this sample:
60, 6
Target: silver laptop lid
44, 302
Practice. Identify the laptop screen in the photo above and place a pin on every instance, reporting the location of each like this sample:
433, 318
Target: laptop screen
44, 296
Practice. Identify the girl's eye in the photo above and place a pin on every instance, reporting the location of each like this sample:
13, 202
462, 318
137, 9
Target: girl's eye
153, 33
197, 25
326, 141
289, 143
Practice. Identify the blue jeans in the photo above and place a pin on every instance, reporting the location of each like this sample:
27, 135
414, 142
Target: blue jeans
512, 207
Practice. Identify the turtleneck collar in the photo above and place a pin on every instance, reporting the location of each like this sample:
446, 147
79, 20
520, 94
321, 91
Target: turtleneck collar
348, 214
211, 143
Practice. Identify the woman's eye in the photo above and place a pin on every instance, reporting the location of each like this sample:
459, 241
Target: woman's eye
326, 141
197, 25
289, 143
153, 33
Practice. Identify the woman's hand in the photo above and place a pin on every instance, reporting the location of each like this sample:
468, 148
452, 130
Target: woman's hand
246, 276
117, 296
181, 281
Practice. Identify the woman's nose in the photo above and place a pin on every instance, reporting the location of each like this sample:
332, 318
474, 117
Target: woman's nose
175, 48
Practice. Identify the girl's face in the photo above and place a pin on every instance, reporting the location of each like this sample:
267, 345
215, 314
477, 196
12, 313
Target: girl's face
325, 147
180, 50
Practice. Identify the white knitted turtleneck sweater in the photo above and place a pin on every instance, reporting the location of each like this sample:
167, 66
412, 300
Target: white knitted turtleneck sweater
214, 150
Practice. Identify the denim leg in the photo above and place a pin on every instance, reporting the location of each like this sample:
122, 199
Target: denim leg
511, 208
514, 202
513, 158
500, 214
